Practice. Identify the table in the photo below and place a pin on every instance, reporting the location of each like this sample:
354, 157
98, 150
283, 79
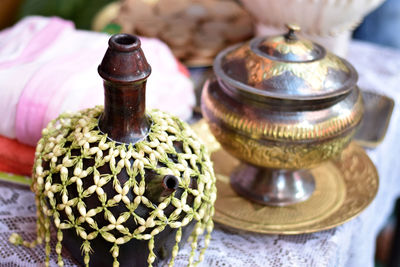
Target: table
352, 244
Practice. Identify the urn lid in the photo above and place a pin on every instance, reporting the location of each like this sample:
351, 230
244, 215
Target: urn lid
285, 67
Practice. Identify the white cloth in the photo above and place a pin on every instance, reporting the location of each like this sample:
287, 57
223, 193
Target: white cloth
349, 245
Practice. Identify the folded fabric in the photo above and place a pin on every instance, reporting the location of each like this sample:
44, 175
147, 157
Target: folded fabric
47, 67
16, 157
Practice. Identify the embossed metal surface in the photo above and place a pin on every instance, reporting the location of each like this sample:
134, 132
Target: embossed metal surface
344, 187
281, 102
268, 136
285, 67
279, 125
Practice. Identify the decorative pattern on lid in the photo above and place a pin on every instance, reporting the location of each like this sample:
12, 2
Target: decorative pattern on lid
288, 47
285, 67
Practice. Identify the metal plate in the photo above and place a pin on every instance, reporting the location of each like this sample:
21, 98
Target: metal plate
377, 114
344, 187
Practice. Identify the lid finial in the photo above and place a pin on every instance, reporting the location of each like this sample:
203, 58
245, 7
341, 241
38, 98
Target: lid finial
293, 28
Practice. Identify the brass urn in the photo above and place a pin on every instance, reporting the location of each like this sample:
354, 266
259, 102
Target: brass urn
281, 105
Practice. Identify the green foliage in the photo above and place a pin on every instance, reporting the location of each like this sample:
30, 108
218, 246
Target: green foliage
81, 12
112, 28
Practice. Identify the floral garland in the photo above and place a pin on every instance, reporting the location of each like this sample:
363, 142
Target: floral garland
79, 132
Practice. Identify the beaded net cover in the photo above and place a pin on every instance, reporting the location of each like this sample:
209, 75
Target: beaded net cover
63, 180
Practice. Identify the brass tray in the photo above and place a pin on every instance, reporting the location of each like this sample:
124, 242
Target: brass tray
344, 187
112, 14
377, 114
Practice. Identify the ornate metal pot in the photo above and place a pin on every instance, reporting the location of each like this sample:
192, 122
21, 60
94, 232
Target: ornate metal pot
281, 105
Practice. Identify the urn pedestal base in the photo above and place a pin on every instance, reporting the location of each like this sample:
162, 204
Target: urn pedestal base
274, 187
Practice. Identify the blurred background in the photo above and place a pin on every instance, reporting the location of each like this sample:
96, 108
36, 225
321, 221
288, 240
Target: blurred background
196, 31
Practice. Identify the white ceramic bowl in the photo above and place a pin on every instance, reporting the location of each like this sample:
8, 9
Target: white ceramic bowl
315, 17
328, 22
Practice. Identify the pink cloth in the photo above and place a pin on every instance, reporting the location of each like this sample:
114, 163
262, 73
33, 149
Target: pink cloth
48, 67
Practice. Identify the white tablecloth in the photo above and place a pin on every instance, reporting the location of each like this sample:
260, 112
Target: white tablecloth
352, 244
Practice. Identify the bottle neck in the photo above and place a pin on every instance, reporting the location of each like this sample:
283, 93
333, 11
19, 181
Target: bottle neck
124, 118
124, 69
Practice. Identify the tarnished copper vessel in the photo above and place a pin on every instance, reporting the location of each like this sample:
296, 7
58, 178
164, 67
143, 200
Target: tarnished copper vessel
281, 105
